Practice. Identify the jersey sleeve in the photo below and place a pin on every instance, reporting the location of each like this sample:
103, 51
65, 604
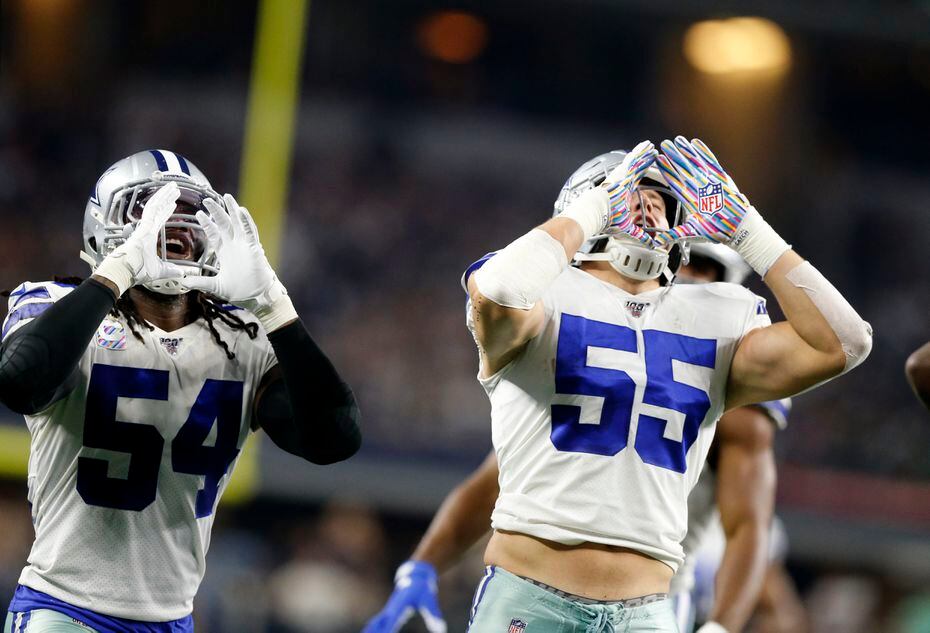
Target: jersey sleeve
758, 315
777, 410
28, 301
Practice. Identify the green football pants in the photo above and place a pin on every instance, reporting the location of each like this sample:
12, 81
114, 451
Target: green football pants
43, 621
505, 603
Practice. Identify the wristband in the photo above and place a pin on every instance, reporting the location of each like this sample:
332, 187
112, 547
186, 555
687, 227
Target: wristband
276, 314
590, 210
758, 243
116, 269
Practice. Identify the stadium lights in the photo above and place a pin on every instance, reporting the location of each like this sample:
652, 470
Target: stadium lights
737, 45
455, 37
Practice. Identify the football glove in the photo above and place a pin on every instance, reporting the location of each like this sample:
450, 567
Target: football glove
620, 184
415, 589
245, 277
714, 204
717, 211
137, 260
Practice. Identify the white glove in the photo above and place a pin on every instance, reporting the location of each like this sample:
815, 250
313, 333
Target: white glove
137, 261
246, 279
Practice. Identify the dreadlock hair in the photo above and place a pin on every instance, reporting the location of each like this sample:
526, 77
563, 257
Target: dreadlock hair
206, 306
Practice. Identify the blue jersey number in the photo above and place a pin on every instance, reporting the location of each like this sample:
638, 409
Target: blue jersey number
574, 377
219, 402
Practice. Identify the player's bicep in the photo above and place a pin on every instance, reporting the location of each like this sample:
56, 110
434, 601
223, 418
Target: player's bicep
501, 331
775, 362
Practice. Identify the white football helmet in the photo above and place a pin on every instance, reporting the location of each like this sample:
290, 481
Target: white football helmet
115, 205
733, 269
627, 255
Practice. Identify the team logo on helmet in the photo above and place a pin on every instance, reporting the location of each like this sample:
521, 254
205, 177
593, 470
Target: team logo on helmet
710, 198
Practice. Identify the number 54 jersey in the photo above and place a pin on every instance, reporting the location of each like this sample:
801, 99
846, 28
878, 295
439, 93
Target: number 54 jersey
126, 469
602, 424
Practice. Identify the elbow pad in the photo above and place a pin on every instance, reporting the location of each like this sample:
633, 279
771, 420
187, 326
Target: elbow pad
854, 333
519, 274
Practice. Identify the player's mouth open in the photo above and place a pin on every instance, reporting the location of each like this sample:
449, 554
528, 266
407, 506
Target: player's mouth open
179, 244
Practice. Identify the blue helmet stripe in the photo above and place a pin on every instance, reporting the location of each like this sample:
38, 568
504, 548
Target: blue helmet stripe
183, 164
159, 160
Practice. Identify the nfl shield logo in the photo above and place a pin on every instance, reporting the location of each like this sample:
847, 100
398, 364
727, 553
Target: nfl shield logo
516, 626
710, 198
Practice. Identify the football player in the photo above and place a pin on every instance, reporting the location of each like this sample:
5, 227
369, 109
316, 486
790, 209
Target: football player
605, 385
778, 609
740, 479
917, 369
140, 386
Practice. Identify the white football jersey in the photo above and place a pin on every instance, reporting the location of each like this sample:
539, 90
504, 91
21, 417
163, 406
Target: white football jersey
703, 514
125, 470
602, 424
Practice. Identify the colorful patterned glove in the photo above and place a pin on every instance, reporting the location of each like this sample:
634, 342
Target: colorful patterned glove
620, 184
714, 204
415, 589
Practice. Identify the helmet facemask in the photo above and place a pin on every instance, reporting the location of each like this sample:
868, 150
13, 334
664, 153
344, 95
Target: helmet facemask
630, 257
180, 235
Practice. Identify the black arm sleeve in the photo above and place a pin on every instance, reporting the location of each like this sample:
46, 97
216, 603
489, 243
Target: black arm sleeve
311, 412
37, 360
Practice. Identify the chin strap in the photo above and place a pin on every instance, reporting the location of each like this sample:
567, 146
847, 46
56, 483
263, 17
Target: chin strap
87, 259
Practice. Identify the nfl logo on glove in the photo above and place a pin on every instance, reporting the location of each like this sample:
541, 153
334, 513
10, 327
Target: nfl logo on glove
711, 198
516, 626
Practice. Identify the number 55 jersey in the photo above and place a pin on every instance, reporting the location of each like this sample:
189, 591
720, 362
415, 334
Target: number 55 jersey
603, 422
126, 468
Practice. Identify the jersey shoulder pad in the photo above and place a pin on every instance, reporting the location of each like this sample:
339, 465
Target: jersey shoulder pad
737, 293
30, 299
726, 290
473, 267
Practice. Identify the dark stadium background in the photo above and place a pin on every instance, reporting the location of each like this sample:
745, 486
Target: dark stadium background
407, 167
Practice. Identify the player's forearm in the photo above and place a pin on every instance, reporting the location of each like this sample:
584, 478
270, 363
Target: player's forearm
741, 574
324, 413
462, 520
819, 314
917, 369
37, 360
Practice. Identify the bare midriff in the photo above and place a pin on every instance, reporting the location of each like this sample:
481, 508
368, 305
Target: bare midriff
591, 570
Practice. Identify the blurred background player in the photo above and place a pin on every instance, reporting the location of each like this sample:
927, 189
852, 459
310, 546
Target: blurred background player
778, 609
139, 388
739, 479
585, 532
918, 373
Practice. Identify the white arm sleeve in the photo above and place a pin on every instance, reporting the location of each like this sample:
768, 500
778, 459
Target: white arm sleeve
854, 333
519, 274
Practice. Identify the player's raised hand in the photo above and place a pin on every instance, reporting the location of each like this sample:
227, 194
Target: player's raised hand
415, 590
621, 183
137, 260
714, 204
245, 279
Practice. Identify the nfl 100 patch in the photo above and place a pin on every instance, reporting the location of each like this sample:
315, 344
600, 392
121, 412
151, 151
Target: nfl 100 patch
710, 198
636, 308
516, 626
111, 335
171, 344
